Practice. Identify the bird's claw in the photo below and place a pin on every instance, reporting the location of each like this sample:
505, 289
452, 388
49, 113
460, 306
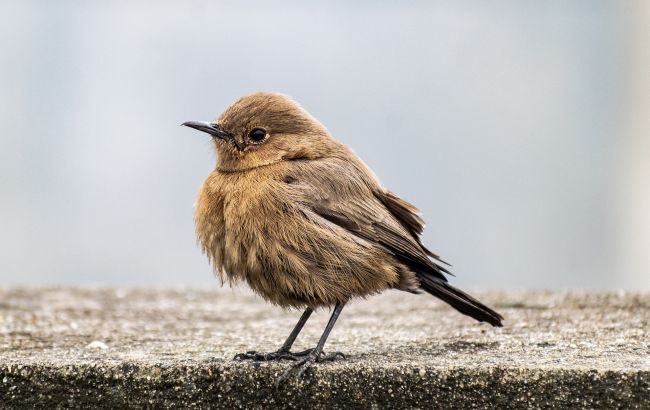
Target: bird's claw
263, 357
285, 355
281, 354
303, 363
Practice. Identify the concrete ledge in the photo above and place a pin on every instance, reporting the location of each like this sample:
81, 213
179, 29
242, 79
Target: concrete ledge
137, 348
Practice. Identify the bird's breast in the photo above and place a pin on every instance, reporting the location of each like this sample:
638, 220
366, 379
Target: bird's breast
257, 228
232, 217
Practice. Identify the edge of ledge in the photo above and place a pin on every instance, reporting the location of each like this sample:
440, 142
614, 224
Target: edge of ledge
224, 385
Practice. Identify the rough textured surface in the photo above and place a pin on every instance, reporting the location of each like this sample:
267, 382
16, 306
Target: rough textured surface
164, 348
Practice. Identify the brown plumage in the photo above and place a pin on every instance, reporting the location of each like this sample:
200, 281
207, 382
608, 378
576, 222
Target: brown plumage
301, 219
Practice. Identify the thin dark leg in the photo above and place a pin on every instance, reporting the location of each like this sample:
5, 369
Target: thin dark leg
283, 352
314, 355
335, 315
296, 330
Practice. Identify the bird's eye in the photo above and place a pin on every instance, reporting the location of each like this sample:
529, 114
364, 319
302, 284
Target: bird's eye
257, 135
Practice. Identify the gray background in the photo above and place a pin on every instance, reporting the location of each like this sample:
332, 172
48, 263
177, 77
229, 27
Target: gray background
517, 127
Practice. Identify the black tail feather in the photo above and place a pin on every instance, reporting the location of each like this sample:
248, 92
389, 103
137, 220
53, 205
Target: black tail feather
459, 300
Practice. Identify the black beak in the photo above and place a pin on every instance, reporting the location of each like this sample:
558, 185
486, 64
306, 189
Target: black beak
210, 128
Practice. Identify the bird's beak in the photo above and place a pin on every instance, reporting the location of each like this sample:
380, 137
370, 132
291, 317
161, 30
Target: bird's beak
210, 128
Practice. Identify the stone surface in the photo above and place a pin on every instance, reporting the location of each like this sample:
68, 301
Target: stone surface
174, 348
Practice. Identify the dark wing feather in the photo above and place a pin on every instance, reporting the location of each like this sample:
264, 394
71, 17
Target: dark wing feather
405, 212
409, 216
356, 204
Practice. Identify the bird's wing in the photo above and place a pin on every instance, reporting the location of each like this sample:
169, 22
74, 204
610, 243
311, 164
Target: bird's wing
344, 193
409, 216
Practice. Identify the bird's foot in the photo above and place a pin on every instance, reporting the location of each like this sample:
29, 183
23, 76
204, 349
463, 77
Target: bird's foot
262, 357
307, 358
283, 354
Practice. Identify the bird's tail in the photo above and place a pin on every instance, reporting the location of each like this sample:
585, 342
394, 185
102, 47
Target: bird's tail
459, 300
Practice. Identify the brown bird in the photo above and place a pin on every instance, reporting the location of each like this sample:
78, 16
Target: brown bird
301, 219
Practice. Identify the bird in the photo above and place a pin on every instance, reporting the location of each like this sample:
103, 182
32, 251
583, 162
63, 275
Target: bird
301, 219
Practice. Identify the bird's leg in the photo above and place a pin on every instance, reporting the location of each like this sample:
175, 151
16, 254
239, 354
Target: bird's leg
283, 352
317, 354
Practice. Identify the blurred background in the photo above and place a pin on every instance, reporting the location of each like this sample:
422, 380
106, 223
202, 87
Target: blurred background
519, 128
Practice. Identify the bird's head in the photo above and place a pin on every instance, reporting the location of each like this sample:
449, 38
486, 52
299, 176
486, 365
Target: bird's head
265, 128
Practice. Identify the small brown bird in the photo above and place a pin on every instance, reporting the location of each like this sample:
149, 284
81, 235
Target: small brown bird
301, 219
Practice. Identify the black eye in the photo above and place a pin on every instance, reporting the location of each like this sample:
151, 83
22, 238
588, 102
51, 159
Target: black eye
257, 135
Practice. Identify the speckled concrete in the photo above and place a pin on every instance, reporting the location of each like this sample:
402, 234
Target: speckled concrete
173, 348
